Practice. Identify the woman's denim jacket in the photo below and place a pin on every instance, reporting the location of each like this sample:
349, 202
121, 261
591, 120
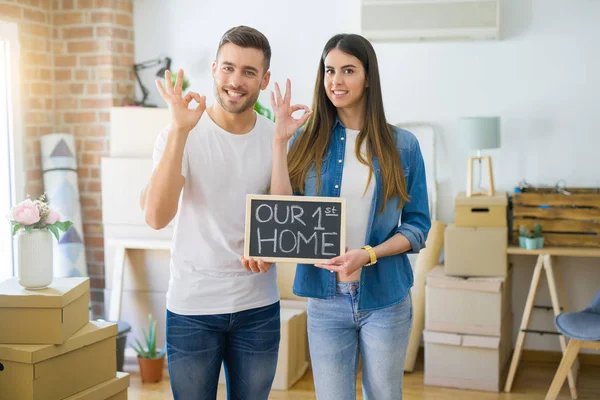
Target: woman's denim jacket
388, 281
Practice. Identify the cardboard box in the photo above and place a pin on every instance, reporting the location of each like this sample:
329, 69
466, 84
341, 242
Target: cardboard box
293, 359
481, 211
286, 272
475, 306
468, 362
475, 251
113, 389
47, 316
49, 372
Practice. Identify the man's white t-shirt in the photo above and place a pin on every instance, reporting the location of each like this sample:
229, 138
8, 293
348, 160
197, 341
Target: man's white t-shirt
220, 169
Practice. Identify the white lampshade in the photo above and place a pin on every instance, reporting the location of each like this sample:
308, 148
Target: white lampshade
479, 132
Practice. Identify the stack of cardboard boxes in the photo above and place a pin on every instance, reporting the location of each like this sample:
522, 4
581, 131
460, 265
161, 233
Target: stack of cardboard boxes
468, 318
48, 348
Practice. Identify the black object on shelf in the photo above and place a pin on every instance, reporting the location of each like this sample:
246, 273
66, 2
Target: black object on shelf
160, 73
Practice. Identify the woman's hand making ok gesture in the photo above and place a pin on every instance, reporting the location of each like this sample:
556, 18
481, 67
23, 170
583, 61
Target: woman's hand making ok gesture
285, 124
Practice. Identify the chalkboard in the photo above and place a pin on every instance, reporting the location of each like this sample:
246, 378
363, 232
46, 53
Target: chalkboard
301, 229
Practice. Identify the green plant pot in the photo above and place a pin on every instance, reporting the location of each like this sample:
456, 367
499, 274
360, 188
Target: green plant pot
522, 241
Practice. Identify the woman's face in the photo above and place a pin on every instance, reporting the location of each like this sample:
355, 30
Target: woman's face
344, 80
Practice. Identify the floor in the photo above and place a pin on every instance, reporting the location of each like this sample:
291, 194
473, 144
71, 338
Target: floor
532, 382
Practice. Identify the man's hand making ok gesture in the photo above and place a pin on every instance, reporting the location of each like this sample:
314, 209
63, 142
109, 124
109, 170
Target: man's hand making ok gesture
183, 118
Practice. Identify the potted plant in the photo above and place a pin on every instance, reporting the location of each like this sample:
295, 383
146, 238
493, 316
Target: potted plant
184, 84
537, 235
264, 111
150, 360
33, 223
531, 240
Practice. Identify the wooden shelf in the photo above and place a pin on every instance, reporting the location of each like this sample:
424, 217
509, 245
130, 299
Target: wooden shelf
557, 251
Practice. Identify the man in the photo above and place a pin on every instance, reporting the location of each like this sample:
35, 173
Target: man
217, 311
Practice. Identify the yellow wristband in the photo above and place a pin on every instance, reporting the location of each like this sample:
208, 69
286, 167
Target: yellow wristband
372, 255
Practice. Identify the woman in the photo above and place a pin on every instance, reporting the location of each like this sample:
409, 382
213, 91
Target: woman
359, 303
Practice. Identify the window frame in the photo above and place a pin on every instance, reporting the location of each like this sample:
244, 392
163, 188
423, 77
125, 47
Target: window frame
9, 33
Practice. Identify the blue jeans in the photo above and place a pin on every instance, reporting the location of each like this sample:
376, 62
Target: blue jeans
338, 334
246, 342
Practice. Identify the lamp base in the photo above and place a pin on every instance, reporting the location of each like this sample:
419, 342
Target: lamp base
470, 192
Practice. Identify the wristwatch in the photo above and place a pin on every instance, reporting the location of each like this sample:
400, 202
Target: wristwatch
372, 255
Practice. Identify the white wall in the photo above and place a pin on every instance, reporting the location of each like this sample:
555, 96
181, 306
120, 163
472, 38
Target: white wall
541, 79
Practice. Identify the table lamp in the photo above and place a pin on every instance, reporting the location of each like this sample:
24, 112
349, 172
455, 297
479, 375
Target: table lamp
478, 133
166, 64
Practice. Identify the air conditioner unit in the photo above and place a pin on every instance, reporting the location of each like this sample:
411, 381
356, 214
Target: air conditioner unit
430, 20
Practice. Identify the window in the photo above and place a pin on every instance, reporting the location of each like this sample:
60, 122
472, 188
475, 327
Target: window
11, 156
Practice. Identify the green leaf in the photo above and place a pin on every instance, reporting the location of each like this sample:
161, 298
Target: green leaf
54, 231
152, 344
147, 340
16, 228
184, 85
63, 225
142, 353
136, 348
29, 228
162, 351
267, 113
150, 341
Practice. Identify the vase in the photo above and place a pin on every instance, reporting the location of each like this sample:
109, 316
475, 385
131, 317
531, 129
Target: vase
34, 258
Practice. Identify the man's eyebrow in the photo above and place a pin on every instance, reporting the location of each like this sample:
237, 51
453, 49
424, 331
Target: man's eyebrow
343, 67
248, 67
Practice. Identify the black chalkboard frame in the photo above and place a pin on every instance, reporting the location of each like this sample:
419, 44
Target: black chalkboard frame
340, 201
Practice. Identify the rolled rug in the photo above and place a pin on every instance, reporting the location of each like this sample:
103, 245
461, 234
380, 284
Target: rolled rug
59, 168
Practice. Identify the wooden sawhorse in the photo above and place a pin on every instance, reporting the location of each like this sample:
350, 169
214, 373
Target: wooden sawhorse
544, 261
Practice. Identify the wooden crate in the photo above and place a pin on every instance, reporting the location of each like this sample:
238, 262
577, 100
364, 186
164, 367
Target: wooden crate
566, 220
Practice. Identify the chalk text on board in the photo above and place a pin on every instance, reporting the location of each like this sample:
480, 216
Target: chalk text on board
295, 239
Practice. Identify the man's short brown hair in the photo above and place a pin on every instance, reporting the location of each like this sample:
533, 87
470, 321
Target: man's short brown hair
247, 37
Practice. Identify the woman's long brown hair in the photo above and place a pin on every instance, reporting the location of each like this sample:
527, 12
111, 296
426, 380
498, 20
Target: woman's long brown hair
312, 142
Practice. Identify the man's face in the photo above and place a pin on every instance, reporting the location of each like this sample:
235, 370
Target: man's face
239, 77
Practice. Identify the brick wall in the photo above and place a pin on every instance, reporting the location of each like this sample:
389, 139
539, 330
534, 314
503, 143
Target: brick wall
93, 44
76, 64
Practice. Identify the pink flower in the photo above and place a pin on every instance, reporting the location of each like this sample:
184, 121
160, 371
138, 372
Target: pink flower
26, 213
52, 217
